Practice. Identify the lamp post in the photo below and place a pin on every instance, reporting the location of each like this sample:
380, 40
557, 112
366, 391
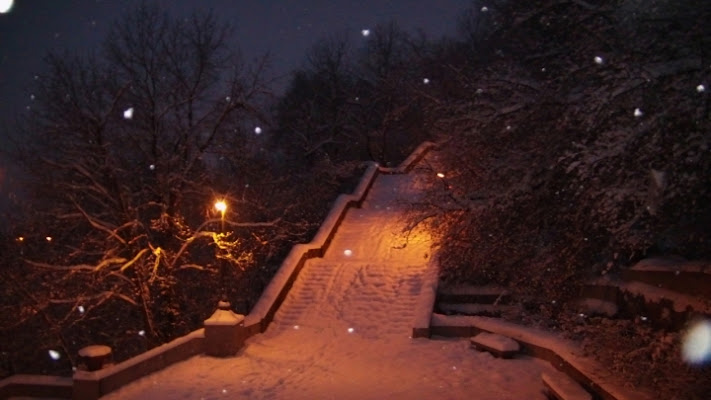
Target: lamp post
221, 206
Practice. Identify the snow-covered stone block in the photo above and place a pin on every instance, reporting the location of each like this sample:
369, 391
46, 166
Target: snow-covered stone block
498, 345
563, 387
95, 356
224, 332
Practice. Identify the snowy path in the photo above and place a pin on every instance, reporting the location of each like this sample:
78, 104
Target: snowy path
343, 330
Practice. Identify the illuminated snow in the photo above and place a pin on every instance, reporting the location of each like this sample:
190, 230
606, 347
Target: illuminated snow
598, 60
344, 328
152, 167
365, 32
638, 113
258, 130
484, 9
81, 309
425, 81
128, 114
701, 88
54, 355
696, 344
142, 333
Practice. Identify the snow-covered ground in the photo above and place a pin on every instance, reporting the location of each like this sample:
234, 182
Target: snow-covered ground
344, 330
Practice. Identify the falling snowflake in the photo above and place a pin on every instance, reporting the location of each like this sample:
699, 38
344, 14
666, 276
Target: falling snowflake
479, 91
81, 309
128, 114
258, 130
638, 113
484, 9
425, 81
54, 355
365, 32
152, 167
142, 333
696, 347
599, 60
228, 99
701, 88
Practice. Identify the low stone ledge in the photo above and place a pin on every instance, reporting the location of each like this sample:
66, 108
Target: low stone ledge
498, 345
562, 354
90, 385
36, 386
562, 387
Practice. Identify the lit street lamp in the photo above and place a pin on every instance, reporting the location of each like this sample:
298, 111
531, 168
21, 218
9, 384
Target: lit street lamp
221, 206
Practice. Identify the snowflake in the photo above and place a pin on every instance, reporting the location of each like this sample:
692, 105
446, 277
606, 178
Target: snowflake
258, 130
54, 355
599, 60
484, 9
425, 81
152, 167
701, 88
638, 113
128, 114
365, 32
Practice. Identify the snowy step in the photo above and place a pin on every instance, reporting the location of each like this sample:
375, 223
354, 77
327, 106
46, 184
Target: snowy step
498, 345
560, 386
487, 310
472, 294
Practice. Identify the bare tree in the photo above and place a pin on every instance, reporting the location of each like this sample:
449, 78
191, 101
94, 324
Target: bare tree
124, 148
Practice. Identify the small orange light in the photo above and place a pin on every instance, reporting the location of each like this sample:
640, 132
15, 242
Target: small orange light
49, 238
21, 239
440, 175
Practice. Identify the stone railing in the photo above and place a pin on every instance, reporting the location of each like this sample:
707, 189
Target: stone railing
90, 385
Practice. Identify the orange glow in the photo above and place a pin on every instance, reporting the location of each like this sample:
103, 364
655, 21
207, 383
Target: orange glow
221, 206
49, 238
440, 175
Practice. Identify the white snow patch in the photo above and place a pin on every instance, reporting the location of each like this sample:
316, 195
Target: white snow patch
638, 113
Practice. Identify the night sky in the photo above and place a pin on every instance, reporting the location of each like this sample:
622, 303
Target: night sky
285, 28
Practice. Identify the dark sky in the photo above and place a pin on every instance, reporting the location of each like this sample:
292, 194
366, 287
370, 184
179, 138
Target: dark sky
285, 28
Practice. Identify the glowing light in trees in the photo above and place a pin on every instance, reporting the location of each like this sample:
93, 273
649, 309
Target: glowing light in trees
348, 253
425, 81
365, 32
701, 88
599, 60
48, 238
638, 113
258, 130
54, 355
351, 330
440, 175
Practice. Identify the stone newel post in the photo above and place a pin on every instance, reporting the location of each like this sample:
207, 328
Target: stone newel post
224, 332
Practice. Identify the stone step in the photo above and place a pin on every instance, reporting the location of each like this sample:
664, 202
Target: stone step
498, 345
562, 387
472, 294
486, 310
672, 273
663, 308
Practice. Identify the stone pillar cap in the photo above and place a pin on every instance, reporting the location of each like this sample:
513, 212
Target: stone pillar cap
223, 316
